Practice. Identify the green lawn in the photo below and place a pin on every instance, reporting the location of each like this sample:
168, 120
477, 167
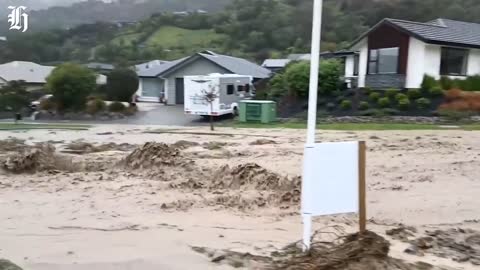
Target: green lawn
352, 126
127, 38
170, 36
23, 126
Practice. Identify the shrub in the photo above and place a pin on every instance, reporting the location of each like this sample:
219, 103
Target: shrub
331, 106
453, 94
403, 104
428, 83
423, 103
122, 83
414, 93
471, 83
329, 76
391, 93
374, 96
71, 84
339, 99
400, 96
346, 104
47, 105
95, 106
363, 105
436, 91
116, 107
336, 93
454, 116
383, 102
390, 111
372, 112
349, 93
321, 102
447, 83
367, 91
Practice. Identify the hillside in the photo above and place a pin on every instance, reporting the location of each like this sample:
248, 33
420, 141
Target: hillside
257, 29
83, 12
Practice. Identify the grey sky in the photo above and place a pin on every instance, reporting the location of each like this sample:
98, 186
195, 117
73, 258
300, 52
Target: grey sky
36, 4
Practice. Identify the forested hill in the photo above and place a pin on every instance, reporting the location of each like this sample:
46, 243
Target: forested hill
72, 13
251, 28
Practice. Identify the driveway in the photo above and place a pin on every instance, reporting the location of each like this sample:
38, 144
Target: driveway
158, 114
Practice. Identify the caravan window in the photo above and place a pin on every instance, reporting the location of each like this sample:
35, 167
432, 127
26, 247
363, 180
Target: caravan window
230, 89
247, 88
239, 88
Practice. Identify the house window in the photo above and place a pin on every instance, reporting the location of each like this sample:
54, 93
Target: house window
454, 62
356, 63
383, 61
230, 89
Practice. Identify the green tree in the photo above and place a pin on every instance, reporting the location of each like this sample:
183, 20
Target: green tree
14, 96
122, 83
70, 85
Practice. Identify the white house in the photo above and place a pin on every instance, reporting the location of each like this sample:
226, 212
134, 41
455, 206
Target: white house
398, 53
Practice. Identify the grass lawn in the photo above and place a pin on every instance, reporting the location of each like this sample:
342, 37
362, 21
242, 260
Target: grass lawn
127, 38
353, 126
170, 36
24, 126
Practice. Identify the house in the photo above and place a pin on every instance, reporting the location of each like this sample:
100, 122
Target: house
34, 75
166, 80
397, 53
276, 65
3, 38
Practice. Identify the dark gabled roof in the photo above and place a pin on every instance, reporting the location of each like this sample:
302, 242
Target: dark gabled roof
439, 31
231, 64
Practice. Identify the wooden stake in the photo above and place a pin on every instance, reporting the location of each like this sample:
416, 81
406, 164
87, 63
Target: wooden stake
362, 187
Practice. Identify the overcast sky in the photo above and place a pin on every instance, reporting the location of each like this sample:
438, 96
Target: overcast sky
38, 4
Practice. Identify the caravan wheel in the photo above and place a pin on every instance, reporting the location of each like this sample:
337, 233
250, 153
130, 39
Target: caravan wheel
235, 111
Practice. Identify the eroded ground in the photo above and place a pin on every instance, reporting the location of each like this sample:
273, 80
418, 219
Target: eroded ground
104, 199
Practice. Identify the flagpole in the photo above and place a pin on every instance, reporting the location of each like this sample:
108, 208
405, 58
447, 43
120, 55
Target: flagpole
312, 103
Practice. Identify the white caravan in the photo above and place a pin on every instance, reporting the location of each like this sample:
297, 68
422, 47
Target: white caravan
229, 89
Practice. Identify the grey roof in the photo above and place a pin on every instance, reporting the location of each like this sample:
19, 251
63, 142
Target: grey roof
238, 65
158, 70
276, 63
438, 31
149, 64
233, 64
25, 71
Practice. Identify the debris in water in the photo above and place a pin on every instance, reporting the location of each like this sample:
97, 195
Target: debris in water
153, 154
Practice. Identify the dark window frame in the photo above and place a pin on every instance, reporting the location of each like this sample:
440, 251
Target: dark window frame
375, 61
230, 89
446, 69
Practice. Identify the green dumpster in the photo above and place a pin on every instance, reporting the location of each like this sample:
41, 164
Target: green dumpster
262, 111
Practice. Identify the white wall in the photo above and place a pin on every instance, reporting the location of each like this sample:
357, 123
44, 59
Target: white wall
362, 48
416, 63
473, 67
433, 58
349, 65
